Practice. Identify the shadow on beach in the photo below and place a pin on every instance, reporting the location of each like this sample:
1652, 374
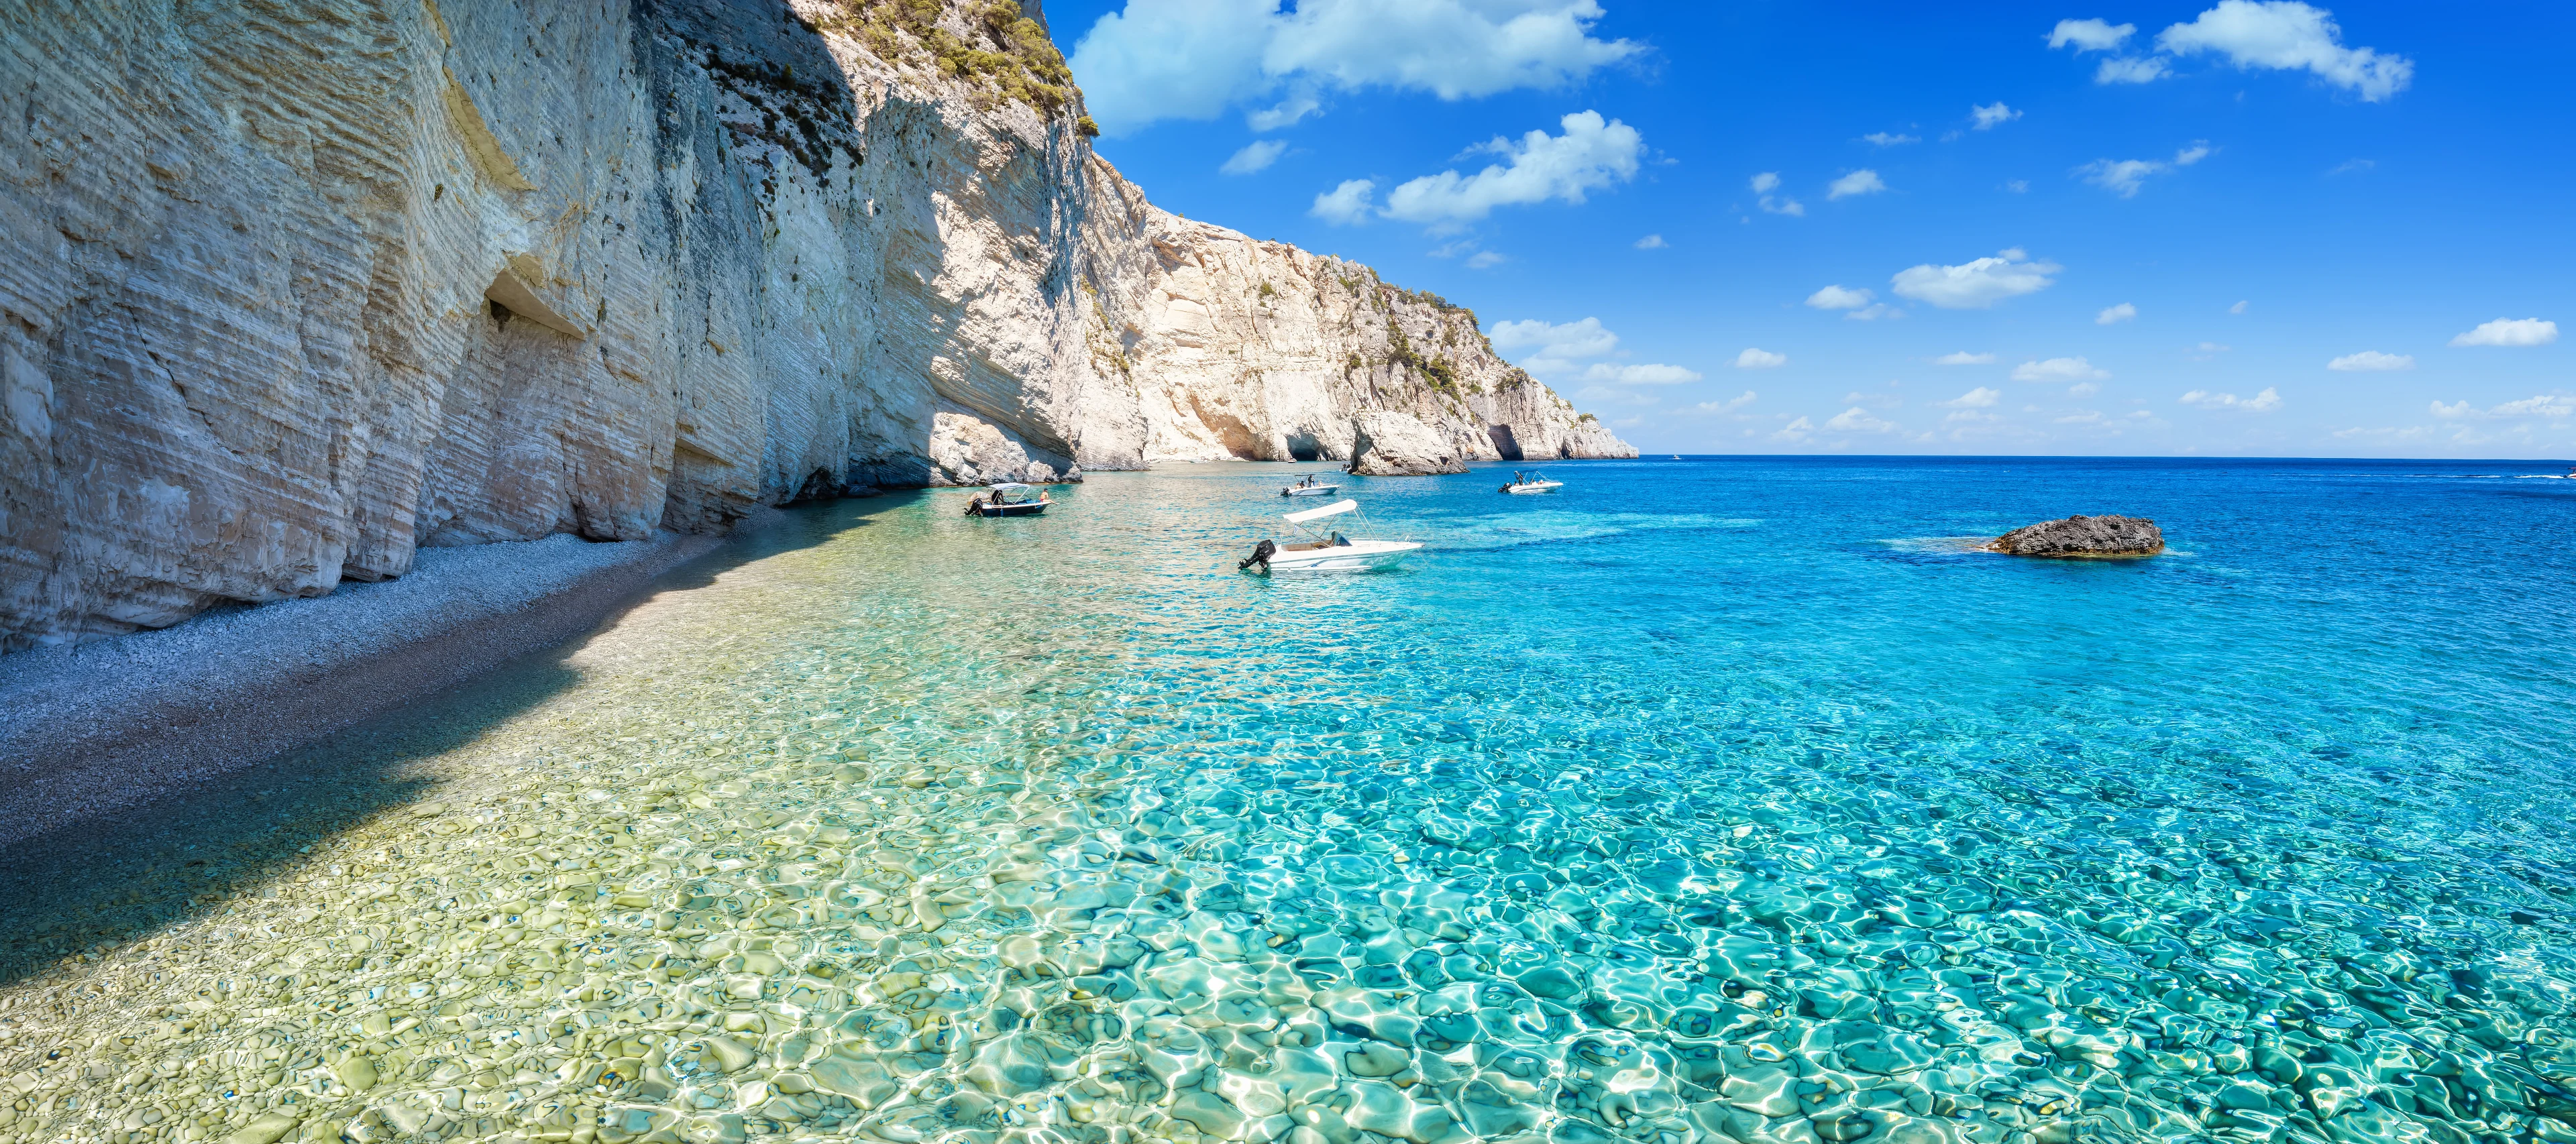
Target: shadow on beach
100, 883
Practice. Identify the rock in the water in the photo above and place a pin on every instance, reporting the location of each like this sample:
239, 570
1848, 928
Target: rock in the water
2084, 536
1397, 445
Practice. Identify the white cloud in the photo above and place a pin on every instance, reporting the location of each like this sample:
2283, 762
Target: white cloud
1839, 298
1256, 156
2017, 186
2264, 402
2351, 167
1564, 342
1858, 420
2125, 176
1795, 431
1485, 260
1978, 284
2543, 406
1651, 242
1884, 139
2083, 417
1194, 59
1978, 398
2059, 369
1592, 154
2240, 307
1769, 181
2510, 332
1345, 205
2288, 35
1760, 359
2143, 69
1555, 352
1301, 102
1988, 115
1963, 357
1874, 313
2371, 361
1605, 395
1729, 405
2123, 312
1605, 373
2090, 35
1860, 182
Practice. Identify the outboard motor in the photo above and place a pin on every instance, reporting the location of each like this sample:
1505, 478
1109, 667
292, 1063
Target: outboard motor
1261, 554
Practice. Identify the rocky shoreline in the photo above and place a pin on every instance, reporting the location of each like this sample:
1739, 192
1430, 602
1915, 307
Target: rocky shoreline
89, 731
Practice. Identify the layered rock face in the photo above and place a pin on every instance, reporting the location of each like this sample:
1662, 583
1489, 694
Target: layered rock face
1388, 444
292, 289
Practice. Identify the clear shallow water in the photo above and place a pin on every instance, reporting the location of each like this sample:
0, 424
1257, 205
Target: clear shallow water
1701, 802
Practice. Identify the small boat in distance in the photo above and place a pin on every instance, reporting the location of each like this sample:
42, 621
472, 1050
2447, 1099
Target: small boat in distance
1531, 483
1009, 498
1326, 549
1309, 488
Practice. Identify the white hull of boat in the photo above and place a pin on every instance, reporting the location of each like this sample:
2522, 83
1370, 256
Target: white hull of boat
1533, 489
1357, 556
1310, 490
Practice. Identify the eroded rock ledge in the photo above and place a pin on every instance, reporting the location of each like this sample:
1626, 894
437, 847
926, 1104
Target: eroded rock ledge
1387, 444
291, 292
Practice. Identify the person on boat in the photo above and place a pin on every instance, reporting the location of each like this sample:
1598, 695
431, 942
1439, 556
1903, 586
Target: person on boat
975, 507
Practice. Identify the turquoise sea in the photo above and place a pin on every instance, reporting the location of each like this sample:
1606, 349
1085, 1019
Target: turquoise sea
1715, 800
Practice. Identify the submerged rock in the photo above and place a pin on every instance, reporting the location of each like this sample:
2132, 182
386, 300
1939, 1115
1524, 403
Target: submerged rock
2079, 536
1397, 445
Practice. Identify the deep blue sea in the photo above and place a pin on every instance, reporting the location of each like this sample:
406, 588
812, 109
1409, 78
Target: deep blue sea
1725, 799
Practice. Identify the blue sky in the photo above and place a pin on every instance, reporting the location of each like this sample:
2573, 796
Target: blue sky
2223, 227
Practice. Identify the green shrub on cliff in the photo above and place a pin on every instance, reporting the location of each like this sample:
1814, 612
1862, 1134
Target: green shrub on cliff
1004, 54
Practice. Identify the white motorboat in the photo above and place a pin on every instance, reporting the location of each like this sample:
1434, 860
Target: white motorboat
1310, 487
1009, 498
1531, 483
1326, 549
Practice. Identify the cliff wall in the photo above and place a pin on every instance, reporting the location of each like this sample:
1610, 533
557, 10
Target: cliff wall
291, 288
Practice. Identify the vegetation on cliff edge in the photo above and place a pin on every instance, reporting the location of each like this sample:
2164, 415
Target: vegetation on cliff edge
1005, 54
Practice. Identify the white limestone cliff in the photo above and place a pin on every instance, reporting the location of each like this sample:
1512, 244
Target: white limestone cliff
289, 290
1390, 444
